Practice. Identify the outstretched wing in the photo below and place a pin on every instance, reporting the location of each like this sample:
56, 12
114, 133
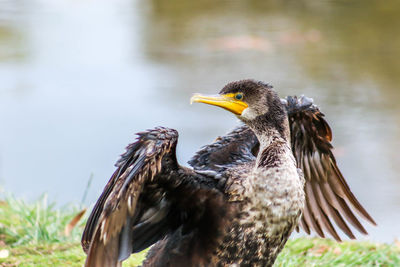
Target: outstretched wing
143, 200
328, 197
238, 146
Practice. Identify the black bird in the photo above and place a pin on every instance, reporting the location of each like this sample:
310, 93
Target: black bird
243, 197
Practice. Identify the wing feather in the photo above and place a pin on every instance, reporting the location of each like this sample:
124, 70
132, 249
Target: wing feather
107, 237
324, 212
149, 198
328, 196
236, 147
311, 211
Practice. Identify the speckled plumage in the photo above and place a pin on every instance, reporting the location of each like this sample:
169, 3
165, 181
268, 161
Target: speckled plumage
269, 201
239, 203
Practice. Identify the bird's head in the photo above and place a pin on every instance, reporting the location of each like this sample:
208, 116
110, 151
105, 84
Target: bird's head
253, 102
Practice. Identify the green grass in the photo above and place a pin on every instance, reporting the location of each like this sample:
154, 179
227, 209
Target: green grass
56, 254
325, 252
40, 222
33, 235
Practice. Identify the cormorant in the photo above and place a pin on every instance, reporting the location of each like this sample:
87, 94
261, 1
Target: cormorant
237, 206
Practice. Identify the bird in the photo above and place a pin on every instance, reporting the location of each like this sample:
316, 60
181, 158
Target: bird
240, 199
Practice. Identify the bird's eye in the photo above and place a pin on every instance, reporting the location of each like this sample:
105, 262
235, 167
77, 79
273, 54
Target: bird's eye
239, 96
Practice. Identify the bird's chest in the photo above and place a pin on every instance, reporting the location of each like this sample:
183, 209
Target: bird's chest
269, 198
256, 237
274, 196
268, 211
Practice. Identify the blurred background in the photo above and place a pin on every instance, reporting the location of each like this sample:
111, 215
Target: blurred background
79, 78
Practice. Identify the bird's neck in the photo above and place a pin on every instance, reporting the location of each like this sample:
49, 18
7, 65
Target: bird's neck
271, 130
272, 148
271, 137
274, 138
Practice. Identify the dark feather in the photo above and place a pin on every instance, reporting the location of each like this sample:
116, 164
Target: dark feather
328, 195
234, 148
142, 202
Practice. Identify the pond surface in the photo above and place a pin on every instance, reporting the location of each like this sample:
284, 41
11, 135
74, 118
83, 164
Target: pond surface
79, 78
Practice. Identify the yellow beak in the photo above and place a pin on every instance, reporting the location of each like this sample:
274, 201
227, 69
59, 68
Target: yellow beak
226, 101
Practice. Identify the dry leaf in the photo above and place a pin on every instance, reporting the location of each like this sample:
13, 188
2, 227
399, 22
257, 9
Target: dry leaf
319, 250
337, 251
70, 226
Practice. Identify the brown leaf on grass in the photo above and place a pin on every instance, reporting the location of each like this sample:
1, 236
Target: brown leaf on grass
337, 251
319, 250
70, 226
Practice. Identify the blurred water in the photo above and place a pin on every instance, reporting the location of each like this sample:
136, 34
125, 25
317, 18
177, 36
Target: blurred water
79, 78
